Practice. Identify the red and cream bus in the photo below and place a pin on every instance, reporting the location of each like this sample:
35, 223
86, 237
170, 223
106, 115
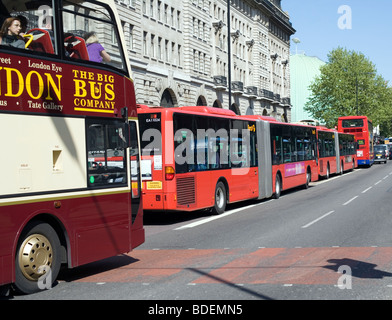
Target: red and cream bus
362, 128
202, 157
69, 143
336, 152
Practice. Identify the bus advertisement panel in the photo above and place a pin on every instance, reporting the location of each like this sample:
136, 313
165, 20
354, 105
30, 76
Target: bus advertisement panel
68, 127
362, 128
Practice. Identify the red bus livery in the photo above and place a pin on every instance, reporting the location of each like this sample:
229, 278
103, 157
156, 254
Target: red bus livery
203, 157
362, 128
70, 192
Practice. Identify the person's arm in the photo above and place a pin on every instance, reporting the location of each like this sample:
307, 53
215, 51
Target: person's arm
105, 56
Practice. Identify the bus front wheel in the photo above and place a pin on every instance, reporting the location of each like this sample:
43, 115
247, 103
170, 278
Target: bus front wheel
220, 198
37, 260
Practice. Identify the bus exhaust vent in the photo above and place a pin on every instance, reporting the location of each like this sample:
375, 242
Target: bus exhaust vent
186, 191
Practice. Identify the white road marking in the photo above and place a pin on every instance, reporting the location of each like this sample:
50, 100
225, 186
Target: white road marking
228, 213
318, 219
349, 201
364, 191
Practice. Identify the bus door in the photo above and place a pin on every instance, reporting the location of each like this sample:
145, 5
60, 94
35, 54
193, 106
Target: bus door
243, 160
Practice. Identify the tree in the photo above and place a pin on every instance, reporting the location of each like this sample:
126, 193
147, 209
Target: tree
349, 85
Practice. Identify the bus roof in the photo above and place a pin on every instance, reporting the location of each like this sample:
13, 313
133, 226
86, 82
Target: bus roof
210, 110
354, 117
324, 128
258, 117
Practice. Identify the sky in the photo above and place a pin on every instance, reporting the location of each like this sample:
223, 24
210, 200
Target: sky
359, 25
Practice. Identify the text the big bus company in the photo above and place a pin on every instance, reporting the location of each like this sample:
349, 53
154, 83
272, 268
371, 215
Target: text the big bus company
95, 85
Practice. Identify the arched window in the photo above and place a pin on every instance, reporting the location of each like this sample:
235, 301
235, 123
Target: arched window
235, 108
217, 104
167, 99
201, 101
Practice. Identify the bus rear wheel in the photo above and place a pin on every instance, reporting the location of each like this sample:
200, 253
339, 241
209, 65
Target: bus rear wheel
308, 178
278, 187
37, 260
220, 198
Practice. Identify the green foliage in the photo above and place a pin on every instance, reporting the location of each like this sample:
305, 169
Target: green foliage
349, 85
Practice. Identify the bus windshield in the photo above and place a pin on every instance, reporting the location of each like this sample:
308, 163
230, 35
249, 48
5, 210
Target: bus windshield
352, 123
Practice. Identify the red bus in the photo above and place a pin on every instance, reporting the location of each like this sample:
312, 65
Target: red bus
347, 152
202, 157
69, 144
362, 128
336, 152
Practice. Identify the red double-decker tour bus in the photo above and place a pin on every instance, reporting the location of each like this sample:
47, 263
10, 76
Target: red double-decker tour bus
198, 157
362, 128
336, 152
69, 192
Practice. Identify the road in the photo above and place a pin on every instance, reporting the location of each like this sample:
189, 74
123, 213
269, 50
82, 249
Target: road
331, 241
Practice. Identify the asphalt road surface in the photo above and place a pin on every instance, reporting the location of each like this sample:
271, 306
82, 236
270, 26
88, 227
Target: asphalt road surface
332, 241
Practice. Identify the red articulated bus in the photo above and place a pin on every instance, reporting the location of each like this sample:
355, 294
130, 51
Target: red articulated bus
336, 152
362, 128
198, 157
68, 130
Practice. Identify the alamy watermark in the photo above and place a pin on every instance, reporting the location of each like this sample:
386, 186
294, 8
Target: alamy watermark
221, 148
345, 280
45, 281
345, 21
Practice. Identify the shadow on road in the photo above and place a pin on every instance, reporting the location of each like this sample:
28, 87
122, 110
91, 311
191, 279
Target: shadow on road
91, 269
359, 269
230, 284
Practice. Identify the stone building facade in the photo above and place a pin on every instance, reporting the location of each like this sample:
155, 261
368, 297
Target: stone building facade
179, 54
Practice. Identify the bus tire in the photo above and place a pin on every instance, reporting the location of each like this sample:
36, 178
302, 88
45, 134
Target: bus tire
37, 259
220, 199
308, 178
278, 187
327, 176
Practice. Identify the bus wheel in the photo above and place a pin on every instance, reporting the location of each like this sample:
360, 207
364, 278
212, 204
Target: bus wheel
278, 187
37, 260
308, 179
220, 198
328, 173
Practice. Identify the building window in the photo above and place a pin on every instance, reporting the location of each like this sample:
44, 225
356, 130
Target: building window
160, 48
131, 37
145, 52
152, 46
